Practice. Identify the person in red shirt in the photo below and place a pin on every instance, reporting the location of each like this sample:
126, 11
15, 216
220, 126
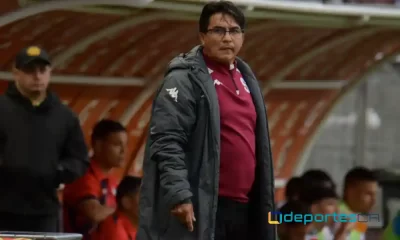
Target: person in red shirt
122, 224
91, 199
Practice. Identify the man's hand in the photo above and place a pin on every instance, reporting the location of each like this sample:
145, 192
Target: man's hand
184, 212
93, 210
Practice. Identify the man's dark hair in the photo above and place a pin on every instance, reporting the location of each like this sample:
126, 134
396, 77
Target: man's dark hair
314, 194
318, 178
359, 174
104, 128
295, 207
293, 187
224, 7
129, 185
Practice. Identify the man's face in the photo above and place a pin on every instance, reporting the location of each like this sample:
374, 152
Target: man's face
112, 149
326, 206
131, 204
220, 45
363, 194
33, 78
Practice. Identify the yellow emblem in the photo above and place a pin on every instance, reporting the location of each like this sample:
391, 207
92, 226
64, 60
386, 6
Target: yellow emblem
33, 51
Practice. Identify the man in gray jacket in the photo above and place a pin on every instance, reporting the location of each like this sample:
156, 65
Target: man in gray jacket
208, 170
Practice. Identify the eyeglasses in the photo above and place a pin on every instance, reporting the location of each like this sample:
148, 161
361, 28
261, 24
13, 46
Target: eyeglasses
221, 32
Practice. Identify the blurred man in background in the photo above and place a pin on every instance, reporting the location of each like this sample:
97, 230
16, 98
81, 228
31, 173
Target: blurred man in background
359, 196
91, 199
122, 225
314, 180
323, 201
292, 190
318, 179
208, 170
294, 230
41, 146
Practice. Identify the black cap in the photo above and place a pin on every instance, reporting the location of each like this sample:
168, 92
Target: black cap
29, 54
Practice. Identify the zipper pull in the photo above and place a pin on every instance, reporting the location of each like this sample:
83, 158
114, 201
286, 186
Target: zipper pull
237, 92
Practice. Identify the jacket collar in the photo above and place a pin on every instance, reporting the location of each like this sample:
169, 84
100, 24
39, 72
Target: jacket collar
195, 56
196, 59
225, 68
50, 101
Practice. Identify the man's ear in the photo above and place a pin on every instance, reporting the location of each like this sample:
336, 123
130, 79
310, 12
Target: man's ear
314, 208
15, 73
96, 145
201, 37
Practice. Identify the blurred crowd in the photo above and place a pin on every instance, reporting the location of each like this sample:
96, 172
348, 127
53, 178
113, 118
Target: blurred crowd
314, 194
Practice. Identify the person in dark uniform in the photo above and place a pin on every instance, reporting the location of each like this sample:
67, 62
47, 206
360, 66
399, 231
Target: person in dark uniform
41, 147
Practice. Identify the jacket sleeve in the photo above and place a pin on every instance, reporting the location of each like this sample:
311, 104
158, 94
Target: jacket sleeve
75, 158
173, 117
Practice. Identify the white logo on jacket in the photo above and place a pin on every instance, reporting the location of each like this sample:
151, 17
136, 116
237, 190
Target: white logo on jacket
173, 93
245, 85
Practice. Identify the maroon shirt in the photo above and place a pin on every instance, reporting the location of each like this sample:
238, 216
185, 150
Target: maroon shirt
238, 123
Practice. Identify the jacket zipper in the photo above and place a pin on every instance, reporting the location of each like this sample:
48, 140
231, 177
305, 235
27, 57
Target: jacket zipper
234, 83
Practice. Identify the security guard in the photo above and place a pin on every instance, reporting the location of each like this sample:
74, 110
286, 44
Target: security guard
41, 147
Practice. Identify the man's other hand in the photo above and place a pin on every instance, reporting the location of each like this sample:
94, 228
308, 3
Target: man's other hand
184, 212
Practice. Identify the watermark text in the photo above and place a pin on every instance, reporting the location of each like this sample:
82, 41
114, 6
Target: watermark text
278, 218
